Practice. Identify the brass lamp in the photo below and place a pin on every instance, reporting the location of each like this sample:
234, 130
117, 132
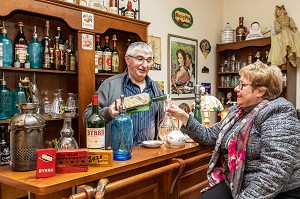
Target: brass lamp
209, 104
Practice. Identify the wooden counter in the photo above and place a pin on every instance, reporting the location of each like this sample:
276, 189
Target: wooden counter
143, 160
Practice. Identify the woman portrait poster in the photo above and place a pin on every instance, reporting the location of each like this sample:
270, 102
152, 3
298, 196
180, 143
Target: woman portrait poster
182, 66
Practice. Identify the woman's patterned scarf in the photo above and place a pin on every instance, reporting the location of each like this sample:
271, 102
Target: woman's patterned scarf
236, 150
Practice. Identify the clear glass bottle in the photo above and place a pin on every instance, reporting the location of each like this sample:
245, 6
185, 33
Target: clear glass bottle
18, 97
6, 100
95, 127
67, 141
46, 105
115, 56
21, 45
36, 94
56, 107
166, 125
4, 147
71, 104
35, 51
7, 47
94, 4
122, 134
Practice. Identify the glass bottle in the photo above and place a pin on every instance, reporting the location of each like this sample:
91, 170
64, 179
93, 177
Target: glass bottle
56, 55
72, 57
94, 4
166, 125
67, 56
71, 104
129, 12
67, 141
81, 2
98, 55
61, 45
115, 56
17, 63
35, 51
18, 97
4, 147
106, 56
140, 102
46, 105
56, 107
122, 134
6, 100
47, 43
95, 127
7, 48
241, 30
21, 45
27, 63
36, 98
113, 6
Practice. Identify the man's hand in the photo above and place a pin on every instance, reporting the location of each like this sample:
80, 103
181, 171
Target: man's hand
112, 110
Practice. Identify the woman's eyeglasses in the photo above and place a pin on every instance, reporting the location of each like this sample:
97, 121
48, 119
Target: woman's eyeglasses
241, 84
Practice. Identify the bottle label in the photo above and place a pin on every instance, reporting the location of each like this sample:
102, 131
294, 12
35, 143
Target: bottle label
27, 65
95, 138
107, 61
21, 49
99, 60
115, 63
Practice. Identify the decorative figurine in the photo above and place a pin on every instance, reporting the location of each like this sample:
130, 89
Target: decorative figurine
255, 31
286, 42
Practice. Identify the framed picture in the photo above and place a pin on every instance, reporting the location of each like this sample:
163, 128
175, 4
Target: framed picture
182, 66
155, 43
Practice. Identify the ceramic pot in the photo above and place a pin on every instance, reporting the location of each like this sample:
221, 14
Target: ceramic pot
175, 139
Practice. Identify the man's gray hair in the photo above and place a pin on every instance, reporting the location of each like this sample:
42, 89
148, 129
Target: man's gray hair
138, 46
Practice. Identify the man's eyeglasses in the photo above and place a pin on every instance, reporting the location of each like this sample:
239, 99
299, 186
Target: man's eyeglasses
141, 59
241, 84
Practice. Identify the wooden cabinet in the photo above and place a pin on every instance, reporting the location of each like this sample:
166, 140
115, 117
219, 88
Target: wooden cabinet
68, 16
227, 77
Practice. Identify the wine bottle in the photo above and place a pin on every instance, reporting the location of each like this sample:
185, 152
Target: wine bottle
115, 56
106, 56
6, 47
21, 45
95, 127
35, 51
241, 30
113, 6
98, 55
56, 55
140, 102
122, 134
4, 147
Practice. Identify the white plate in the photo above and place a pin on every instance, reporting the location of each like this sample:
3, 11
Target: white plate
152, 143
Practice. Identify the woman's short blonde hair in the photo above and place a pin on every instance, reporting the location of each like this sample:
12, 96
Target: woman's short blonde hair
267, 77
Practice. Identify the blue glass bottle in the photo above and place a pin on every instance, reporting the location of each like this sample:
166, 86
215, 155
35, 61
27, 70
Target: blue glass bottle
6, 108
7, 47
18, 98
35, 51
122, 134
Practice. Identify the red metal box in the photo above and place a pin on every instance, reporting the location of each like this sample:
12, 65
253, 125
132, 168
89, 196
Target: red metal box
45, 162
71, 160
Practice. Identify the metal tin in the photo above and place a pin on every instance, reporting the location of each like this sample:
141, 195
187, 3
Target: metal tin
26, 136
227, 35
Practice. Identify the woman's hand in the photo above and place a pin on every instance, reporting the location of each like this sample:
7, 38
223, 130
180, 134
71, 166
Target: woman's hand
178, 113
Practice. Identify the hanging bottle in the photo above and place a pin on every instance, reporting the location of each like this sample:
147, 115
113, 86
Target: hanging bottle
98, 55
6, 100
113, 6
106, 56
18, 98
115, 56
35, 51
7, 48
95, 127
122, 134
36, 94
4, 147
140, 102
21, 45
66, 140
166, 125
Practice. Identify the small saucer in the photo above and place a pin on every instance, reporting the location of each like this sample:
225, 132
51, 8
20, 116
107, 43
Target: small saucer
152, 143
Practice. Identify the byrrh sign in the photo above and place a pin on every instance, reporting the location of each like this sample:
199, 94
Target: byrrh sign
182, 17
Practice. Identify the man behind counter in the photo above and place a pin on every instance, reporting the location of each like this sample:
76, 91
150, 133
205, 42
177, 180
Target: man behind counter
135, 80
